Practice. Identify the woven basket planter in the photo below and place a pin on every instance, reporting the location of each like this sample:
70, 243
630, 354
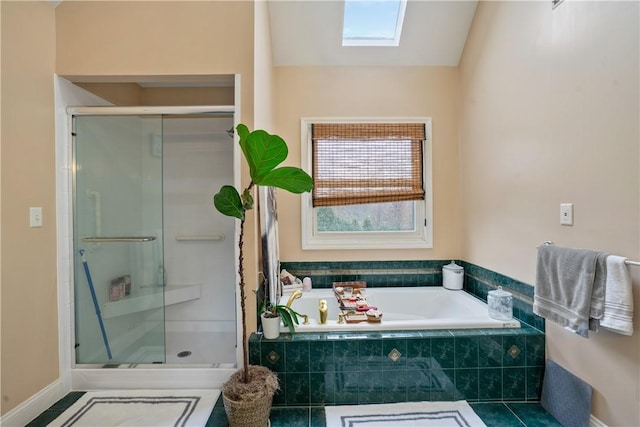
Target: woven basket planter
254, 413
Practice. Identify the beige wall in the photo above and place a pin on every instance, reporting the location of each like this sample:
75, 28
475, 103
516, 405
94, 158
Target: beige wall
549, 114
29, 294
150, 38
132, 94
373, 92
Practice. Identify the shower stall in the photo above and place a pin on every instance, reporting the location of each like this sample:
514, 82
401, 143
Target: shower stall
153, 262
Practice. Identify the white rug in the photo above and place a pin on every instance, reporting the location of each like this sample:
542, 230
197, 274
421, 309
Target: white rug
407, 414
140, 408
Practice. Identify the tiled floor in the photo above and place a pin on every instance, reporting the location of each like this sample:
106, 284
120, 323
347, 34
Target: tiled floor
493, 414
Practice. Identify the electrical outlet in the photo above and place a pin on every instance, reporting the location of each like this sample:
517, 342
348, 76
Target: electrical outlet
566, 213
35, 217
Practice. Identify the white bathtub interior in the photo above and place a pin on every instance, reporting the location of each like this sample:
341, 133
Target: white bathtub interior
414, 308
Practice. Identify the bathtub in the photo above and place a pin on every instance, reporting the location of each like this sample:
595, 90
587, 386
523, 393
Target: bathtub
432, 307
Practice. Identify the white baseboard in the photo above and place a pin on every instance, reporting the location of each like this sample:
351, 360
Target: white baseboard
594, 422
22, 414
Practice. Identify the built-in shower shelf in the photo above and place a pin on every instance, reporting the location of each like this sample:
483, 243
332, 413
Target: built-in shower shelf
150, 299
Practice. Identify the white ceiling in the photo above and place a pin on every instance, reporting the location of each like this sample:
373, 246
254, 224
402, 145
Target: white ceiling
309, 32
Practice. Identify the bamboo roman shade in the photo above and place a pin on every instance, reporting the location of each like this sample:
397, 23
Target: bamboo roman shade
357, 163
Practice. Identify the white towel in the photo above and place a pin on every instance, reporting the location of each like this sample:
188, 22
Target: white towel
618, 300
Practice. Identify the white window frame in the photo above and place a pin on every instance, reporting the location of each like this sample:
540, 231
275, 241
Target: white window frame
422, 237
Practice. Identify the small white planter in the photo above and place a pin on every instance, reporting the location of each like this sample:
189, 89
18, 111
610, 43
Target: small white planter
270, 327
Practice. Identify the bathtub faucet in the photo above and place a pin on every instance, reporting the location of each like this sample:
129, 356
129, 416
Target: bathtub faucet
294, 296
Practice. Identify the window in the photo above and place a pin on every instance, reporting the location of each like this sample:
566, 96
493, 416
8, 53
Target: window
372, 183
373, 22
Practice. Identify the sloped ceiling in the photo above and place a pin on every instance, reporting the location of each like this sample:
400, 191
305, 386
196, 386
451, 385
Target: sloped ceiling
309, 33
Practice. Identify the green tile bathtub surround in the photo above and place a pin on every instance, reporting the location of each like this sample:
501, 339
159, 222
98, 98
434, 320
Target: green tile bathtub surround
321, 356
395, 386
490, 351
466, 352
533, 380
394, 354
514, 350
443, 352
479, 281
369, 355
254, 350
490, 382
388, 366
375, 273
297, 356
345, 354
346, 387
443, 385
417, 350
535, 350
514, 384
272, 355
321, 388
280, 398
371, 387
297, 388
467, 383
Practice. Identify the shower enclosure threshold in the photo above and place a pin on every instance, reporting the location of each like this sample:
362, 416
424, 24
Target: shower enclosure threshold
160, 377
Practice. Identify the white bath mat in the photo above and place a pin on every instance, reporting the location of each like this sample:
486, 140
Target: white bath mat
140, 408
406, 414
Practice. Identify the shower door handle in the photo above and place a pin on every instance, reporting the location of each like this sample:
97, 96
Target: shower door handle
118, 239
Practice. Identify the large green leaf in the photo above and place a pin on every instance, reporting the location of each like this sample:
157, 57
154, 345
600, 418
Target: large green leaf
228, 202
262, 151
288, 178
243, 130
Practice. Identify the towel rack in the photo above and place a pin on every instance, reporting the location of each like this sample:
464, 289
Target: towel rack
211, 238
635, 263
118, 239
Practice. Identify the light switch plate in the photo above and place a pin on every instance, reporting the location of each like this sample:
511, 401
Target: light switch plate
35, 217
566, 213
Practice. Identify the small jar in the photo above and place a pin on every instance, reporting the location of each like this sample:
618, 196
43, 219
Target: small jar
500, 304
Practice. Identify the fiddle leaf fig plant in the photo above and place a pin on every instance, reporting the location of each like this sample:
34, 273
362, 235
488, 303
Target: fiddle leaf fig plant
263, 153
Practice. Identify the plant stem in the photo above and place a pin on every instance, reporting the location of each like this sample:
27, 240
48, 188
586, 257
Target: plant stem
245, 352
245, 362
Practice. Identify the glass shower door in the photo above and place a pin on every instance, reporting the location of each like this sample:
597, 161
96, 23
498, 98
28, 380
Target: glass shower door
118, 242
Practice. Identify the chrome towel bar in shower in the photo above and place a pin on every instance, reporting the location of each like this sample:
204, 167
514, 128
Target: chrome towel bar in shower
214, 237
128, 239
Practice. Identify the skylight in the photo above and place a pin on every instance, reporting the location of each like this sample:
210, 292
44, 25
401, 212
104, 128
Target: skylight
373, 22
